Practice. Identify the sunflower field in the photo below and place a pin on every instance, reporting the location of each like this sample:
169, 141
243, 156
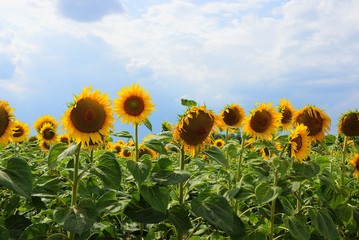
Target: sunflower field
274, 173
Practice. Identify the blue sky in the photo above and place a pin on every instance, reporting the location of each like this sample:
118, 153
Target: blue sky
213, 51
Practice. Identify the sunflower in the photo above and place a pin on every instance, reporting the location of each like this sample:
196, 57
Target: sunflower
20, 131
315, 119
262, 122
233, 115
117, 147
47, 133
194, 128
265, 153
145, 150
299, 141
64, 138
349, 124
126, 153
6, 122
166, 126
89, 118
287, 111
44, 145
219, 143
133, 104
45, 119
355, 162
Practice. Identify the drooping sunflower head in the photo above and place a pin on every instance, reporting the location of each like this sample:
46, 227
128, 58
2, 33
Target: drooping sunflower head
219, 143
299, 142
45, 119
355, 162
317, 122
20, 131
233, 115
133, 104
262, 122
287, 111
349, 124
6, 122
194, 128
47, 133
89, 118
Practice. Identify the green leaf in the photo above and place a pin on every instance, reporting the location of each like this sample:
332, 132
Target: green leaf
178, 216
69, 151
188, 103
108, 170
36, 231
298, 227
306, 169
216, 210
168, 177
123, 134
106, 201
156, 196
139, 170
54, 152
346, 213
324, 224
16, 224
57, 236
76, 219
4, 233
265, 193
282, 165
17, 176
148, 124
156, 146
142, 212
217, 155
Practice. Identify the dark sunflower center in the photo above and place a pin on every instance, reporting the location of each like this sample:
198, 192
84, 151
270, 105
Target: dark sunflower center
197, 129
286, 116
314, 124
219, 144
126, 153
64, 140
134, 106
118, 149
88, 116
298, 141
18, 132
260, 121
48, 134
357, 165
4, 121
350, 125
231, 117
266, 151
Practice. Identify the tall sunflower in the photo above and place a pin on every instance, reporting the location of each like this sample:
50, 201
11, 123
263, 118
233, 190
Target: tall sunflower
194, 128
349, 124
355, 162
20, 131
287, 111
6, 122
89, 118
299, 142
45, 119
133, 104
262, 122
232, 115
317, 122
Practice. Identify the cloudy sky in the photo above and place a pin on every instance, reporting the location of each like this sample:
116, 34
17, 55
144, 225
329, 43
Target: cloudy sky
215, 52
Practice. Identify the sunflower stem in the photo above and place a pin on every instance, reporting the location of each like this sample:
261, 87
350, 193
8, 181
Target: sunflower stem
136, 142
239, 167
181, 189
342, 166
272, 215
75, 183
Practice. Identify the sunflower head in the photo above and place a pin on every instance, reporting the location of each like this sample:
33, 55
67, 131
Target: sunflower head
232, 115
219, 143
194, 128
355, 162
89, 118
20, 131
6, 122
287, 111
262, 122
133, 104
44, 146
349, 124
265, 153
317, 122
145, 150
299, 142
166, 126
126, 153
64, 138
45, 119
48, 133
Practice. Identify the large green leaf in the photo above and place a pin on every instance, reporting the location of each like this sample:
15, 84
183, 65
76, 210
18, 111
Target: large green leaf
139, 170
110, 203
54, 152
76, 219
17, 176
142, 212
168, 177
306, 169
217, 155
323, 222
16, 224
298, 227
265, 193
108, 170
36, 231
178, 216
156, 196
156, 146
216, 210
